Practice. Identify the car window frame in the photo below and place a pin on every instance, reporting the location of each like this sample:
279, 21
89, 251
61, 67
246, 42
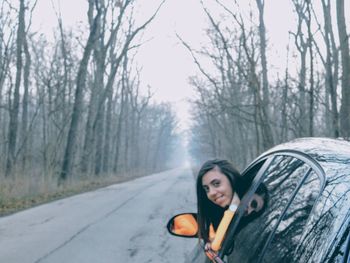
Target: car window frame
290, 200
268, 158
228, 240
347, 250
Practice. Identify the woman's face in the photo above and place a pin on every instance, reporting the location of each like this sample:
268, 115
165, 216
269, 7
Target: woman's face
218, 188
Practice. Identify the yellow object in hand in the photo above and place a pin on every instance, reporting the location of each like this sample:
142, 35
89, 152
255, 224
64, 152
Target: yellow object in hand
222, 228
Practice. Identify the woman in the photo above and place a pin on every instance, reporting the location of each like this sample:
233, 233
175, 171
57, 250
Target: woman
218, 184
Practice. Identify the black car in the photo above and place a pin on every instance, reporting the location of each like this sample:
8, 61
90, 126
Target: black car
306, 217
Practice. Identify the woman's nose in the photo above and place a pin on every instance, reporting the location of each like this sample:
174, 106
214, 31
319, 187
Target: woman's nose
212, 192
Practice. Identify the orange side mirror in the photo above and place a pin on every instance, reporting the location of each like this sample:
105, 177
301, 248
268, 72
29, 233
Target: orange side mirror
184, 225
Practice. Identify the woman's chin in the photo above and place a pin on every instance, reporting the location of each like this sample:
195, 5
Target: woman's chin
224, 204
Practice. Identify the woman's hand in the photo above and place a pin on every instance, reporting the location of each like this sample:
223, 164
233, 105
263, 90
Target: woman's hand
207, 246
209, 252
212, 255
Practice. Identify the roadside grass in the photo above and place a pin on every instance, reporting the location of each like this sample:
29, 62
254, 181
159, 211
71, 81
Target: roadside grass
21, 192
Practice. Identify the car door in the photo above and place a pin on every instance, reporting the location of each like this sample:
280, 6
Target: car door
293, 182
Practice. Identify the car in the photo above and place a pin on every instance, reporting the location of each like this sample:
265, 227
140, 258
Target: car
306, 216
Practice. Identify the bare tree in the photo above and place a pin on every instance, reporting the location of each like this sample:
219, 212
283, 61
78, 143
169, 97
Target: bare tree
233, 91
118, 46
79, 101
302, 46
25, 106
265, 83
345, 62
311, 56
331, 66
14, 111
7, 42
68, 158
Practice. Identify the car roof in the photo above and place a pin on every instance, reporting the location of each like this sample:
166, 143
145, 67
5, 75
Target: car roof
319, 145
333, 155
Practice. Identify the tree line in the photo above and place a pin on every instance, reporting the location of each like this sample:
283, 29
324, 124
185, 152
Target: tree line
242, 107
73, 106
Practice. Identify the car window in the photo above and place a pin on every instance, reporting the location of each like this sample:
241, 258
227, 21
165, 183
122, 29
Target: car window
325, 229
280, 181
286, 238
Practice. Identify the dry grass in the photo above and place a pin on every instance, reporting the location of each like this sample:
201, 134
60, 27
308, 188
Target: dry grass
21, 192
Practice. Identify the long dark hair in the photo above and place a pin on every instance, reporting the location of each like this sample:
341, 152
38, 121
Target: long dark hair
208, 212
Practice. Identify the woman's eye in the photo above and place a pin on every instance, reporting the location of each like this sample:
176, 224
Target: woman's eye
206, 189
216, 183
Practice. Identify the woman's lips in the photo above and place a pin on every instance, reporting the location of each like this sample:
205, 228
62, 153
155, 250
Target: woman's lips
220, 199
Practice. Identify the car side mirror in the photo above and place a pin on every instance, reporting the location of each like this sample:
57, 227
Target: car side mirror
183, 225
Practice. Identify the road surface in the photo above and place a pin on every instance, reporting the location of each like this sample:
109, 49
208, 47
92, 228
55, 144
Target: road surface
120, 223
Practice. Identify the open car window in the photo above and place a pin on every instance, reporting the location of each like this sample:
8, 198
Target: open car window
267, 227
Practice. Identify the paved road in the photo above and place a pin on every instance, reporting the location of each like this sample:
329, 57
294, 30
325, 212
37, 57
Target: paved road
121, 223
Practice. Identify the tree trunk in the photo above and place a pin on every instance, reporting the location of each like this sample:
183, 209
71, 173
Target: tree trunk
89, 140
14, 109
262, 34
266, 126
108, 132
25, 134
68, 158
302, 46
284, 128
330, 63
119, 131
311, 93
126, 133
99, 131
99, 56
345, 62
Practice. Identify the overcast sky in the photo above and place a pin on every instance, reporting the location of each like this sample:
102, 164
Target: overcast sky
166, 64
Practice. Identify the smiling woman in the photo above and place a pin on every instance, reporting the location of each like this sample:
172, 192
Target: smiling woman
217, 183
296, 208
218, 187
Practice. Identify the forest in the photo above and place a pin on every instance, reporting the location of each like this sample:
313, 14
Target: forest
71, 108
245, 106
